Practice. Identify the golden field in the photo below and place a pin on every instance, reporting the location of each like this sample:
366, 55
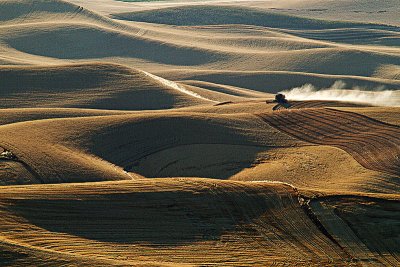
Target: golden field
142, 133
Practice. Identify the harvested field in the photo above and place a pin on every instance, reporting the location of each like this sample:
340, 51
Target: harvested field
216, 220
145, 133
374, 144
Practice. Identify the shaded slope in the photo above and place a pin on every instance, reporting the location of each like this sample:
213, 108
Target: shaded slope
16, 172
145, 135
24, 10
374, 144
212, 15
58, 29
104, 86
218, 161
366, 36
35, 11
368, 228
219, 222
87, 41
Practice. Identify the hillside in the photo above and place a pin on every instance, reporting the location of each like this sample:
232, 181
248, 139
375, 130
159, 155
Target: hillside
143, 133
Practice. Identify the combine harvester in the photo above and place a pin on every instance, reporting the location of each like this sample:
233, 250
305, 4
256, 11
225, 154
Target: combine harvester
282, 102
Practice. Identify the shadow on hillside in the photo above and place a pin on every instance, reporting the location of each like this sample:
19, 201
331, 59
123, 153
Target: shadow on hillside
88, 43
219, 15
154, 218
218, 161
374, 221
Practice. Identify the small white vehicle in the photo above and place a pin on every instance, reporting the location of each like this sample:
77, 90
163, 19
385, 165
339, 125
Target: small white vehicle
7, 155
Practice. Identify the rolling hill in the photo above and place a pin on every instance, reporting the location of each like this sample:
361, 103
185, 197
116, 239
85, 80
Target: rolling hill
142, 134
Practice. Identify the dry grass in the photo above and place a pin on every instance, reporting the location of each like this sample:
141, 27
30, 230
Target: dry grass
155, 144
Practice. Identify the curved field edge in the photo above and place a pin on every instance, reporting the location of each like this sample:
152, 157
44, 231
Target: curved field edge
252, 223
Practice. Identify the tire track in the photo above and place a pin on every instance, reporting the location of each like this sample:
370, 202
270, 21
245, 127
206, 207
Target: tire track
374, 144
20, 158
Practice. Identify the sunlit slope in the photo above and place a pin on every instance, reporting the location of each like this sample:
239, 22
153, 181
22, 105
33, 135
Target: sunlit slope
218, 222
320, 168
14, 254
13, 115
384, 114
104, 86
374, 144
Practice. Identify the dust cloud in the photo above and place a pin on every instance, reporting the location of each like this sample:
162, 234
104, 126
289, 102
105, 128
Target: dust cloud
339, 92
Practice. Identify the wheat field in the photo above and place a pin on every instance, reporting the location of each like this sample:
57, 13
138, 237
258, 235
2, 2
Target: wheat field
142, 133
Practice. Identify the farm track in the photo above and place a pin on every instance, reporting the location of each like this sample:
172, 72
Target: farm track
374, 144
26, 162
